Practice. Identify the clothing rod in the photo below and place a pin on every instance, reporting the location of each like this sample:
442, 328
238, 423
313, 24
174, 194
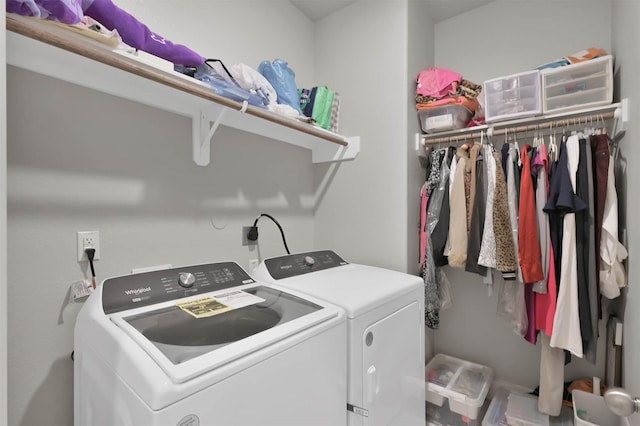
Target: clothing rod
559, 123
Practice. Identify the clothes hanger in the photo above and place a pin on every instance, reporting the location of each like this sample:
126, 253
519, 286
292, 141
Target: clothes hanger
553, 147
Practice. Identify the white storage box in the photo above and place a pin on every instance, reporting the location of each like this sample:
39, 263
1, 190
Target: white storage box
446, 117
577, 86
522, 410
463, 383
513, 96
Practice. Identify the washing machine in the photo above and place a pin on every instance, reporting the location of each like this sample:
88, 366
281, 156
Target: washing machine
385, 321
207, 345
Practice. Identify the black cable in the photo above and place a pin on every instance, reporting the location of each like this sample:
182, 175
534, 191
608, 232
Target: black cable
90, 254
252, 235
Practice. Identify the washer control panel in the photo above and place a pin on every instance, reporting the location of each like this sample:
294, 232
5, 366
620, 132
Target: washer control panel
302, 263
136, 290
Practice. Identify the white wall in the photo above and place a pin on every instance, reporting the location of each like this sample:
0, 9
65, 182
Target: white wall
627, 53
506, 36
247, 31
502, 38
361, 52
3, 228
81, 160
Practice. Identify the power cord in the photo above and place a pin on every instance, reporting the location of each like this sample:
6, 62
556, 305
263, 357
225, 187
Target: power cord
252, 235
90, 254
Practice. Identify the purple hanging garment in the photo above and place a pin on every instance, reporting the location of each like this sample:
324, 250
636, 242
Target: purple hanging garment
137, 35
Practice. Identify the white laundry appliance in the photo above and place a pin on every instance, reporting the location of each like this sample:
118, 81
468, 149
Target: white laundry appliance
207, 345
385, 311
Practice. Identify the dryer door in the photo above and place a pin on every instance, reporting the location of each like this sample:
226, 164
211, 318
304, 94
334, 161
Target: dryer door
393, 370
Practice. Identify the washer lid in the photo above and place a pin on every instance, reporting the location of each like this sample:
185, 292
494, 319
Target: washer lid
356, 288
186, 344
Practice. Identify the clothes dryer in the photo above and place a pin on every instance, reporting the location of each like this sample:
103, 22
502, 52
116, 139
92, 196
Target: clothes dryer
204, 345
386, 340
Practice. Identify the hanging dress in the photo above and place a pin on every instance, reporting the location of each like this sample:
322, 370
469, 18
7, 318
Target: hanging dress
566, 326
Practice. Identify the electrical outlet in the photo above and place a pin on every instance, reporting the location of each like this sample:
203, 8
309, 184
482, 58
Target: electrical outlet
245, 240
88, 239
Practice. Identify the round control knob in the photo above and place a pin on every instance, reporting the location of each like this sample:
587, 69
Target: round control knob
186, 279
309, 261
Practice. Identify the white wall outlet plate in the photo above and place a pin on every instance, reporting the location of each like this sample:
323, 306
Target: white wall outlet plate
88, 239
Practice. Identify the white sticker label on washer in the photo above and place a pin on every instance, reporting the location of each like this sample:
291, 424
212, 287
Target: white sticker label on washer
239, 299
205, 307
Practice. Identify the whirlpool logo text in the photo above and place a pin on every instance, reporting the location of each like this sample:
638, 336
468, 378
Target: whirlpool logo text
137, 291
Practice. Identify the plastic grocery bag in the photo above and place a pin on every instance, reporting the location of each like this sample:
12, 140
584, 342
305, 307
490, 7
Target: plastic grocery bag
223, 83
65, 11
283, 80
251, 80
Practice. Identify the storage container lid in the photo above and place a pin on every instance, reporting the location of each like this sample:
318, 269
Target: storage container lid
523, 409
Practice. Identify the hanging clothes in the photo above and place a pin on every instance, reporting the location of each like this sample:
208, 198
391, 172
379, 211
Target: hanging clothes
528, 242
590, 347
583, 242
566, 327
458, 205
478, 199
612, 252
488, 250
601, 157
506, 261
441, 229
541, 172
429, 274
545, 301
511, 307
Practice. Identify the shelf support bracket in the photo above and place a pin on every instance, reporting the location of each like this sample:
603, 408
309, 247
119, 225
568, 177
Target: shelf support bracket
329, 152
203, 132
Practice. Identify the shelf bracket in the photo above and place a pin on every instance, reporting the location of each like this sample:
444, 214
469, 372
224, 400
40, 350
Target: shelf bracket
203, 132
329, 152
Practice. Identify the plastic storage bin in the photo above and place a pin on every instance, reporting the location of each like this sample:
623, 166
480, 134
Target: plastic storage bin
582, 85
591, 410
513, 96
446, 117
463, 383
522, 410
497, 410
443, 416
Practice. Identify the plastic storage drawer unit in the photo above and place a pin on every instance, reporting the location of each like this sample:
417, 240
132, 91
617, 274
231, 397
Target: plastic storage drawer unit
513, 96
582, 85
463, 383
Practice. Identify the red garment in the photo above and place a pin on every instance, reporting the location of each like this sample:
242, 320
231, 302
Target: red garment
424, 199
528, 242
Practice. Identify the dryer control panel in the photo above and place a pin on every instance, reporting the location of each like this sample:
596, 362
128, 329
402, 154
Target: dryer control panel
136, 290
302, 263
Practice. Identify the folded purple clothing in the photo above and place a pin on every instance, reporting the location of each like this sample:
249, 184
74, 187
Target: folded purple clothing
65, 11
137, 35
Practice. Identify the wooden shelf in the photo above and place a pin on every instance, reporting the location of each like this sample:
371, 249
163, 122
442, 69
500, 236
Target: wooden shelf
59, 52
